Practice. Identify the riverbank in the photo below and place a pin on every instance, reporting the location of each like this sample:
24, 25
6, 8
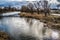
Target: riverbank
4, 36
52, 21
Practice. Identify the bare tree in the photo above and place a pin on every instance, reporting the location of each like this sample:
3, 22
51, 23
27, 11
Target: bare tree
58, 6
30, 7
46, 7
37, 6
24, 8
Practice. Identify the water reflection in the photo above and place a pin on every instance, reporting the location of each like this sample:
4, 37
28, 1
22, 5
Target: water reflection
51, 34
21, 29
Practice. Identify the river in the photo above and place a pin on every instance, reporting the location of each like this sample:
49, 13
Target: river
17, 27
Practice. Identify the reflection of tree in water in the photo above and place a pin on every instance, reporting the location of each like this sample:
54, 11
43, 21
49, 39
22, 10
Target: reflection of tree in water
25, 37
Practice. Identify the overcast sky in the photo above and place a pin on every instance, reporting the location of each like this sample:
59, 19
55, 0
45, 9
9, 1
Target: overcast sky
50, 1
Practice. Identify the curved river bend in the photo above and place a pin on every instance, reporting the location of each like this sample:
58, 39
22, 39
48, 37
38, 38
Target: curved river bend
17, 26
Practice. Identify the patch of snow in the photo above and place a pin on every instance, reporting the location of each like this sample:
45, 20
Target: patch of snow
10, 13
56, 14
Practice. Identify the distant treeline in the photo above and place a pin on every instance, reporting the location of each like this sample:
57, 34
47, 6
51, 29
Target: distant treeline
8, 9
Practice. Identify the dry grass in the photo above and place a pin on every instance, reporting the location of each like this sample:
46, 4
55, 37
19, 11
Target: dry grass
35, 15
3, 36
51, 20
39, 16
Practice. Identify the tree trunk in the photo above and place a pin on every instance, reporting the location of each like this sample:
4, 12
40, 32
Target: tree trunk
38, 11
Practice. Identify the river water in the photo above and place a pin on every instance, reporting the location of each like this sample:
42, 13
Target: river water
20, 28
